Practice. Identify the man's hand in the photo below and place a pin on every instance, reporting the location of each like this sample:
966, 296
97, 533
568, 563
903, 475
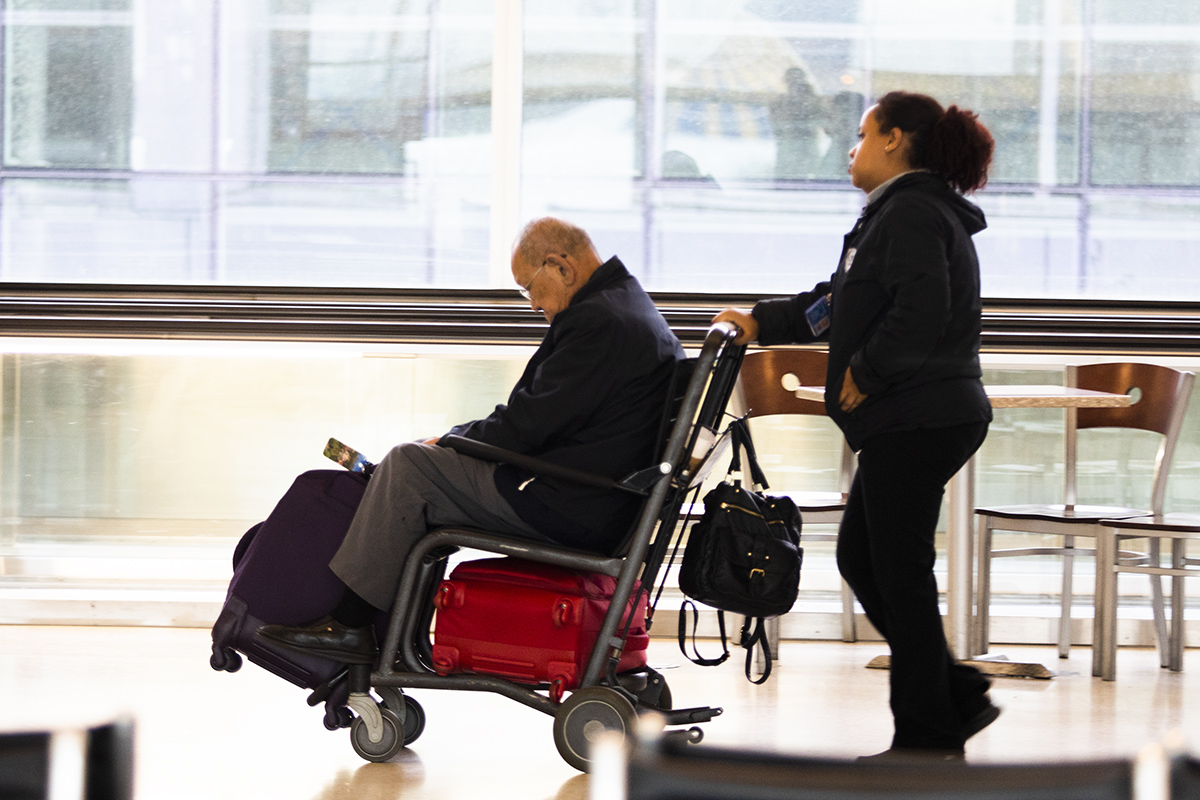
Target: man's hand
746, 323
434, 440
850, 398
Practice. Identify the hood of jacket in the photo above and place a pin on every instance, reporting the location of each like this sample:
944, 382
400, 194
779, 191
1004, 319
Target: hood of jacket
971, 215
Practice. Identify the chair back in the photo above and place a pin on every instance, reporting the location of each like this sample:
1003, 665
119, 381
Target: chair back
1158, 393
761, 393
1160, 398
760, 388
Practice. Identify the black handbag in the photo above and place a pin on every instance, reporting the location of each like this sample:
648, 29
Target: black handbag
744, 554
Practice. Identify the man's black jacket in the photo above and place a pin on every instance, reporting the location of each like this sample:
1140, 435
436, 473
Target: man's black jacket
590, 398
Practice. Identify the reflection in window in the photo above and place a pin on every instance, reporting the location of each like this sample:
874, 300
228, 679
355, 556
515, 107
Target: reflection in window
68, 84
686, 135
1146, 110
103, 231
346, 234
582, 84
1130, 236
346, 97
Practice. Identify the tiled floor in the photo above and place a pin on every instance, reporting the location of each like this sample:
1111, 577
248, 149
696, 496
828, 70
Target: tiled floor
203, 734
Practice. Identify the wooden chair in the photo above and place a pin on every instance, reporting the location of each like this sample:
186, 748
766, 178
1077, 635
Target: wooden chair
1160, 399
760, 393
1177, 529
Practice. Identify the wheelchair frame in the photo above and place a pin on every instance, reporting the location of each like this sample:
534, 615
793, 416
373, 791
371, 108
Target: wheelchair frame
379, 730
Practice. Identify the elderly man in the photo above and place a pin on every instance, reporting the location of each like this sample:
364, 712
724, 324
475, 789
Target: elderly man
590, 398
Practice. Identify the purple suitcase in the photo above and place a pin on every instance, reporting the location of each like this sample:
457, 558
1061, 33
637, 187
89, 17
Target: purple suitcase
281, 575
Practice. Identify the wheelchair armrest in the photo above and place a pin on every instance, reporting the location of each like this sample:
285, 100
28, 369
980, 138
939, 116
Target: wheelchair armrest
489, 452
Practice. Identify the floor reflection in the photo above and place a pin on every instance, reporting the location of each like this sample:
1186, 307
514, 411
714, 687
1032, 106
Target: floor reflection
389, 781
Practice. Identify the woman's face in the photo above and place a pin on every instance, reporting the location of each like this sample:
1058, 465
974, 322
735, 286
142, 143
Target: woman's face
873, 160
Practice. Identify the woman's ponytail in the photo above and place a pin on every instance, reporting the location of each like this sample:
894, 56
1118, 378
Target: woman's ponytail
951, 143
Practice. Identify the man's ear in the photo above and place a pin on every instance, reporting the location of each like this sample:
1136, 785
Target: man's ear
564, 267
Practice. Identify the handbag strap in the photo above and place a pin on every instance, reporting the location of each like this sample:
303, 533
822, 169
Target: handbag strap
662, 584
740, 429
699, 659
759, 637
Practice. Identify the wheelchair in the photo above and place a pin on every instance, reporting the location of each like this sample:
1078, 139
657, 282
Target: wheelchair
603, 700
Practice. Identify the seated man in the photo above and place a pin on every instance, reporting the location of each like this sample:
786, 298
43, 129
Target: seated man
590, 398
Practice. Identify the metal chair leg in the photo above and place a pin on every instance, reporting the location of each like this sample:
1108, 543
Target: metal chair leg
1105, 545
849, 628
1178, 600
1161, 637
980, 635
1106, 561
1064, 619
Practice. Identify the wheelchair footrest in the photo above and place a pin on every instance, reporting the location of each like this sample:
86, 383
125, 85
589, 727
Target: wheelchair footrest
687, 716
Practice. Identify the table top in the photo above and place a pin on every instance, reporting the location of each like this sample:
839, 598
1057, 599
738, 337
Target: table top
1017, 396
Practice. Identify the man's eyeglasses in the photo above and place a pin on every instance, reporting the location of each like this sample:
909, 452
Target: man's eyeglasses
524, 290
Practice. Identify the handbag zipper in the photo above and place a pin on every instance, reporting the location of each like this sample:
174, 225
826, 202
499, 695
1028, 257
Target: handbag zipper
731, 507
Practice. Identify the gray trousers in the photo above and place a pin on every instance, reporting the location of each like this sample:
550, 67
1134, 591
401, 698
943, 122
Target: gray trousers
415, 488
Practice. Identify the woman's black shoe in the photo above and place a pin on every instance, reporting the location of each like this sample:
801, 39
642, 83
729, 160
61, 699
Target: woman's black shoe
981, 720
912, 755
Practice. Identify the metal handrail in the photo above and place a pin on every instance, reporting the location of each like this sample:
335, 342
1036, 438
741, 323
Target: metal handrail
498, 316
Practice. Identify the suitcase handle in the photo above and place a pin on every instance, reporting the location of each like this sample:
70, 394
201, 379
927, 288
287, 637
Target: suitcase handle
566, 612
449, 595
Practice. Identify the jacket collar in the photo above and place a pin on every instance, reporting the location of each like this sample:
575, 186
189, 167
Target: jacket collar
605, 275
880, 190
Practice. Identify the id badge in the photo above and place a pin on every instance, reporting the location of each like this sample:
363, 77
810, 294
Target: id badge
818, 316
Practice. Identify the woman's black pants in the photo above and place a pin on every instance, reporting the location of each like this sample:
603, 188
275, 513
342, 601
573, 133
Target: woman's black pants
885, 552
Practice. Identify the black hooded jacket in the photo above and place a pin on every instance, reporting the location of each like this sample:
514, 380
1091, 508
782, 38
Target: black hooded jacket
905, 313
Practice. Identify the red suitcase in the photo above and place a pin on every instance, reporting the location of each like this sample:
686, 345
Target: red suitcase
529, 622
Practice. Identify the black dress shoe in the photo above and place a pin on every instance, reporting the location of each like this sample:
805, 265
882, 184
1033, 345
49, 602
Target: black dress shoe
981, 720
326, 637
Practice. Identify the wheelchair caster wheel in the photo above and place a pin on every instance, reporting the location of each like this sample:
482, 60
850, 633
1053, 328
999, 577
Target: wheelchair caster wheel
585, 716
407, 709
389, 744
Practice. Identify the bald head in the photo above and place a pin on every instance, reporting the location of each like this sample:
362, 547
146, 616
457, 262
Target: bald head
553, 236
552, 260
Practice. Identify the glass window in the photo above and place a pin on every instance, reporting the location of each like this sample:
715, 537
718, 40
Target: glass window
125, 433
688, 136
703, 238
580, 111
68, 81
173, 93
349, 84
347, 234
106, 231
1145, 115
1036, 237
1143, 247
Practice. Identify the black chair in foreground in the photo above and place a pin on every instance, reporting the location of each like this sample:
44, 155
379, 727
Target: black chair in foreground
1185, 778
94, 763
658, 769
